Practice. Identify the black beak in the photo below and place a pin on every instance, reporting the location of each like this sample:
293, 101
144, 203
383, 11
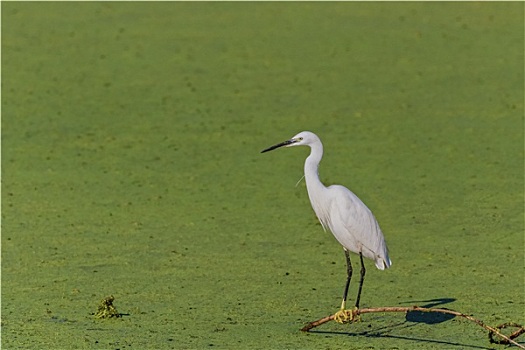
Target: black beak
285, 143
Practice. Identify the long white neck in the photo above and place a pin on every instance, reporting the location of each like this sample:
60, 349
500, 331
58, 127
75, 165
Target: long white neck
313, 184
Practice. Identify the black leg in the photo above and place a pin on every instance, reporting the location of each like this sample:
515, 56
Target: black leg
363, 271
348, 278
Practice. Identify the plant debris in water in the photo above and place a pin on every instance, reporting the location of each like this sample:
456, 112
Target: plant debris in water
106, 308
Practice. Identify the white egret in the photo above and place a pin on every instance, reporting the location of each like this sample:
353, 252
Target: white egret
344, 214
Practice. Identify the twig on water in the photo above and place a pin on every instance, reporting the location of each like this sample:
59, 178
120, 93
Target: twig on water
353, 315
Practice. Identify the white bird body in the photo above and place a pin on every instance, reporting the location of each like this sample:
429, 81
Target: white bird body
343, 213
353, 225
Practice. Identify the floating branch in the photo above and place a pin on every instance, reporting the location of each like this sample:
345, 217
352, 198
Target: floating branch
352, 315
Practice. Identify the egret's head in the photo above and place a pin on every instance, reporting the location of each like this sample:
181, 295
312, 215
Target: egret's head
304, 138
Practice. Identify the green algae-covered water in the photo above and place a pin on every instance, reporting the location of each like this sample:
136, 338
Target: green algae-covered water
131, 135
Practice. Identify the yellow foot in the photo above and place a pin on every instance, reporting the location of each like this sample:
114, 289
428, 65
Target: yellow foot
347, 316
343, 316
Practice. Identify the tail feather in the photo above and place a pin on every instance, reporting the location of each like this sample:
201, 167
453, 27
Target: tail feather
382, 263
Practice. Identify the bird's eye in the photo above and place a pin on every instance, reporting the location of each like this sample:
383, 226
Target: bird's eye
300, 138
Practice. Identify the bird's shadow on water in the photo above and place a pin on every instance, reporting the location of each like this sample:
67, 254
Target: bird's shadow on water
429, 317
412, 319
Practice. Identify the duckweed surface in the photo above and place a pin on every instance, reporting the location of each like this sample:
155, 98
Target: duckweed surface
131, 134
